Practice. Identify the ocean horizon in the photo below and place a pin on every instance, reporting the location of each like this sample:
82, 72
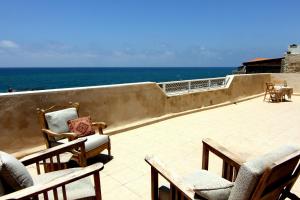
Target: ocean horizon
38, 78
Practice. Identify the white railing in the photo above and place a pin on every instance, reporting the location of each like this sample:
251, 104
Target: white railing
186, 86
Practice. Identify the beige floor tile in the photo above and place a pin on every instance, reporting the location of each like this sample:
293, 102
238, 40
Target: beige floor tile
246, 129
140, 186
126, 175
108, 184
120, 193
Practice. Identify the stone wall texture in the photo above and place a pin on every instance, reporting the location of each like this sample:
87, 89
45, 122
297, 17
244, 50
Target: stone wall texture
116, 105
291, 63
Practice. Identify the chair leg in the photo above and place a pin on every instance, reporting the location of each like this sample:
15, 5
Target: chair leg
109, 147
154, 184
97, 186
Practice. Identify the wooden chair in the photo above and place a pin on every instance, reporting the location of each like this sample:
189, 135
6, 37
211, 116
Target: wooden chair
94, 145
62, 184
274, 95
271, 176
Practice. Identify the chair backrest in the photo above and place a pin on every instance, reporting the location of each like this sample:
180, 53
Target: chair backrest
270, 87
258, 176
43, 122
278, 178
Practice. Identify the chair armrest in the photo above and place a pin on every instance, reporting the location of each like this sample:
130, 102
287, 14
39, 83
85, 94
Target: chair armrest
99, 126
69, 135
158, 167
220, 151
54, 151
231, 161
62, 181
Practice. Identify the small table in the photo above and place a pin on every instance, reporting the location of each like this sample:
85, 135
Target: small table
288, 91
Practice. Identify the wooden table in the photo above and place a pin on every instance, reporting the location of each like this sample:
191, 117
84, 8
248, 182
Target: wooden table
284, 91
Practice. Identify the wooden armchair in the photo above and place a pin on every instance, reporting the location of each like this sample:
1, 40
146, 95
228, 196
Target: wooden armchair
273, 94
73, 183
268, 177
95, 143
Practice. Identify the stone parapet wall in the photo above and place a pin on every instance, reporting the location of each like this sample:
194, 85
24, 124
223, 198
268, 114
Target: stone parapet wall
117, 105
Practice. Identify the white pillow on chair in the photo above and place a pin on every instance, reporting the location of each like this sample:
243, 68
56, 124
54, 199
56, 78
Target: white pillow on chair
57, 120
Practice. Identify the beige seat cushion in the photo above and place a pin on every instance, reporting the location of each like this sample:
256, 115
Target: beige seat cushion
93, 141
251, 171
83, 188
208, 185
205, 184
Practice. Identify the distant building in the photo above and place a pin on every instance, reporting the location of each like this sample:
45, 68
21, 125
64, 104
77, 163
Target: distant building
291, 62
261, 65
293, 49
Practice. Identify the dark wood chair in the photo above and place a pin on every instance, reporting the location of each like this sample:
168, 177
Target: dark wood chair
92, 147
61, 184
275, 181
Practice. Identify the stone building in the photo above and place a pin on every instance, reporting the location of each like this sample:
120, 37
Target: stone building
261, 65
291, 61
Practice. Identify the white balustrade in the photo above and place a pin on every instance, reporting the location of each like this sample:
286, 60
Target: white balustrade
186, 86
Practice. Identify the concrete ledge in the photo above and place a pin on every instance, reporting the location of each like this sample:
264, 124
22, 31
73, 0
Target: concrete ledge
72, 89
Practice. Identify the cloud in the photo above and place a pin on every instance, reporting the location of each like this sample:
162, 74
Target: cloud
59, 54
8, 44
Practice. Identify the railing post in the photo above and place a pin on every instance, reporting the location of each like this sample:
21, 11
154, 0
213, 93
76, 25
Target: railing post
189, 85
164, 87
209, 83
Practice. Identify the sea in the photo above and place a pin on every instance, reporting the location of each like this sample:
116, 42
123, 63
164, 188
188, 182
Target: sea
29, 79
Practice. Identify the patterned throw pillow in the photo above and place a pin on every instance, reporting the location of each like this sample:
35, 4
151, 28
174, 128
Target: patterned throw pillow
81, 126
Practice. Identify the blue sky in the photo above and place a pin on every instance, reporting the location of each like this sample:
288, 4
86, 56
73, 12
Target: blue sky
144, 33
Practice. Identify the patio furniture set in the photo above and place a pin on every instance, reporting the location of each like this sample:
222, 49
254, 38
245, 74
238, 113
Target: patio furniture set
277, 93
267, 177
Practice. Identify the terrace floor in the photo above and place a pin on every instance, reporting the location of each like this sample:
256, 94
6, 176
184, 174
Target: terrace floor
249, 128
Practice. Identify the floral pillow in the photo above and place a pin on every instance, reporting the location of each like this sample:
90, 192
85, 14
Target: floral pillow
81, 126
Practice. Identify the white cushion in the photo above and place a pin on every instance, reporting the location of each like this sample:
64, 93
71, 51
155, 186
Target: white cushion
93, 141
57, 120
13, 173
251, 171
209, 185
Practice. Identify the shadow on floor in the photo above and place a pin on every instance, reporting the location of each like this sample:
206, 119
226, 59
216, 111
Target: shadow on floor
103, 158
